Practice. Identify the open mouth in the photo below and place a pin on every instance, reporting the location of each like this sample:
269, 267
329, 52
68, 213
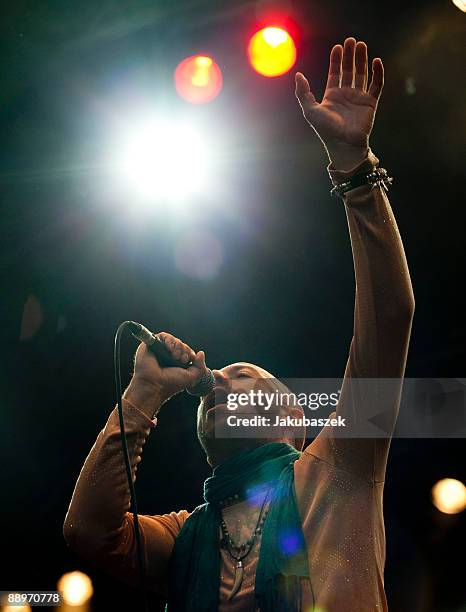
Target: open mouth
215, 398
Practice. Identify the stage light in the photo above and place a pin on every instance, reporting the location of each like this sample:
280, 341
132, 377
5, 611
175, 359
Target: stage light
76, 588
272, 52
198, 79
449, 496
461, 4
161, 160
18, 608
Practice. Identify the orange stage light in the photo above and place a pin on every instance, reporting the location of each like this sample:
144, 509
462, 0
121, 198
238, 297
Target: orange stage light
449, 496
198, 79
272, 52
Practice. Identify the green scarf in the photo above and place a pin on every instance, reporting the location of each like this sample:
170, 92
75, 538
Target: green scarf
194, 574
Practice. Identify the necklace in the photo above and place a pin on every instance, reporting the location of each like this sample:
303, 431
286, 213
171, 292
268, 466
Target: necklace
238, 553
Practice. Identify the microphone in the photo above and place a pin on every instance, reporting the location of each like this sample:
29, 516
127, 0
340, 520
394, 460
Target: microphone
166, 360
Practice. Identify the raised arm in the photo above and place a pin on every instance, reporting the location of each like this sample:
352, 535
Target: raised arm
98, 525
384, 303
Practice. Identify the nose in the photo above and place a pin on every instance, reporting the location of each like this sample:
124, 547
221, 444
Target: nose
221, 380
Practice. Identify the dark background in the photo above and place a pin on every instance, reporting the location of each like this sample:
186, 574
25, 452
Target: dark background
74, 264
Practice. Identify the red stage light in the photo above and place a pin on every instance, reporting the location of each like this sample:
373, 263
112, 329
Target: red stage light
198, 79
272, 52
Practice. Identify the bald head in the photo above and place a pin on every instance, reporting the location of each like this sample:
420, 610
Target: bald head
213, 408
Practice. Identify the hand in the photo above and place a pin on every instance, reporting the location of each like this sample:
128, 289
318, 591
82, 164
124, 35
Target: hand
344, 118
152, 385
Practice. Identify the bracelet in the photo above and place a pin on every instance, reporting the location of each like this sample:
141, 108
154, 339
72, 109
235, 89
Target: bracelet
377, 176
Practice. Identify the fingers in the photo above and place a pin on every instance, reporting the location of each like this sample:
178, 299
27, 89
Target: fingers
179, 350
198, 365
349, 68
334, 68
199, 360
360, 60
303, 91
375, 88
347, 63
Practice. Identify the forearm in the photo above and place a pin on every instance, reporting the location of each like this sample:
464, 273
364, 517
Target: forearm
96, 516
384, 303
383, 312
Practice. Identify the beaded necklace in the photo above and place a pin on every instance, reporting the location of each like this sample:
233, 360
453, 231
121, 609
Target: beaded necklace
238, 553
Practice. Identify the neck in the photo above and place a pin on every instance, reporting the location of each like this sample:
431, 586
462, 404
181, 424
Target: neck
217, 456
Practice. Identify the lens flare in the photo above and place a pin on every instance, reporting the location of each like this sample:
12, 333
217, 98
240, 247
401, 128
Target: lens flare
290, 541
198, 79
198, 254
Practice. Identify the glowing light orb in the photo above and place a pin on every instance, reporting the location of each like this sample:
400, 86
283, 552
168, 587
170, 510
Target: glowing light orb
163, 160
449, 496
76, 588
198, 79
272, 52
461, 4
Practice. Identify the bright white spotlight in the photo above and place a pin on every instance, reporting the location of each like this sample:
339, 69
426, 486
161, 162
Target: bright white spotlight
449, 496
163, 160
76, 588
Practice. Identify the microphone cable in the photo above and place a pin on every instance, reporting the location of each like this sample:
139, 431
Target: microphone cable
164, 358
132, 491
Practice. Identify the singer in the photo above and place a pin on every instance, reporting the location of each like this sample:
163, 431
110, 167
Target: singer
312, 537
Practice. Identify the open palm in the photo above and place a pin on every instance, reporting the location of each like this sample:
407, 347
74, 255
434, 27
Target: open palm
346, 114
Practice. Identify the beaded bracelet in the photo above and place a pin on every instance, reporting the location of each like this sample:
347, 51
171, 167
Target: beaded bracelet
377, 176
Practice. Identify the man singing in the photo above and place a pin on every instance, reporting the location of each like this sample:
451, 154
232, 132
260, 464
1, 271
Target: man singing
283, 529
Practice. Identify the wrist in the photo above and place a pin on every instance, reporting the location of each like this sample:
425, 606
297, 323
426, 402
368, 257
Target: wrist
346, 157
145, 395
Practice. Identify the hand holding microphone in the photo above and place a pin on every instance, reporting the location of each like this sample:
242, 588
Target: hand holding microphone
164, 366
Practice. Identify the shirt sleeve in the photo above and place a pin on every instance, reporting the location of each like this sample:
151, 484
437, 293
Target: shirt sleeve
98, 525
384, 306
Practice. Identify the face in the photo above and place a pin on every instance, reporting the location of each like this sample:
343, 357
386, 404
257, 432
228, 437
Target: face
213, 406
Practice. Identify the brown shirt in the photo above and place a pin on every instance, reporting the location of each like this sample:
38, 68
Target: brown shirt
339, 482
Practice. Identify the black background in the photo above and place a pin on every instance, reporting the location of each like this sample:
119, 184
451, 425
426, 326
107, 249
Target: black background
284, 294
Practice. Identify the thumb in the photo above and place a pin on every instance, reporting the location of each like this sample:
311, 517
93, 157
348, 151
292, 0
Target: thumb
197, 368
303, 90
199, 361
